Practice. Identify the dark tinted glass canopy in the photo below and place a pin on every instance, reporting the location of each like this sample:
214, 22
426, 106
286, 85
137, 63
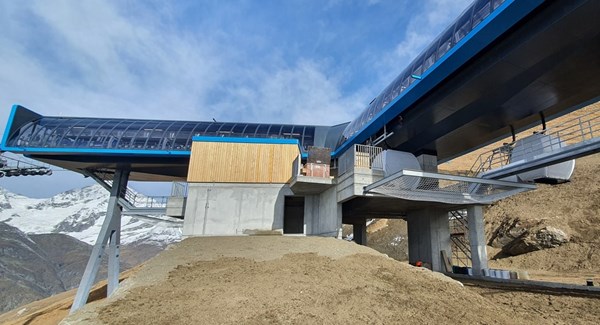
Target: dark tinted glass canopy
95, 133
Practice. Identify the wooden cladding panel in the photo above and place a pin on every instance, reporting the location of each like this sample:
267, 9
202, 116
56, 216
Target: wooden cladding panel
226, 162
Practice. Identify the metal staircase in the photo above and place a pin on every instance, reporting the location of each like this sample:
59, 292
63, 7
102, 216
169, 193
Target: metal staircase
572, 139
459, 236
494, 158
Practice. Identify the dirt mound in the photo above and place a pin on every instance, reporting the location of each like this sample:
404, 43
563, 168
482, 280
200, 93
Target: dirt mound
287, 280
391, 239
53, 309
572, 207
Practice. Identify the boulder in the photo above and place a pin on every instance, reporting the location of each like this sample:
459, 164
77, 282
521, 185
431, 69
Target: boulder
517, 237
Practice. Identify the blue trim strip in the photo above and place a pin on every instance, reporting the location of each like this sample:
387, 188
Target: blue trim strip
497, 23
8, 126
112, 152
245, 140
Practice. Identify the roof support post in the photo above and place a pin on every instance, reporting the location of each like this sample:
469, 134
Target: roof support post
428, 236
479, 258
109, 233
360, 232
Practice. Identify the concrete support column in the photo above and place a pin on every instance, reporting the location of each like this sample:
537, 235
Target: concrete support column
323, 214
428, 163
428, 236
311, 213
114, 253
109, 233
359, 230
479, 258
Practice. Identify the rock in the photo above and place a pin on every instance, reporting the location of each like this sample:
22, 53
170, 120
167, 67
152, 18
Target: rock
551, 237
509, 230
517, 237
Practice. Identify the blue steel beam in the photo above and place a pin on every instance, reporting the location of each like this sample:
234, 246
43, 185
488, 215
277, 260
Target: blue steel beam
492, 27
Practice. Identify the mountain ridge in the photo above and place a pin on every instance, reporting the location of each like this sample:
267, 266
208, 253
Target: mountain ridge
45, 243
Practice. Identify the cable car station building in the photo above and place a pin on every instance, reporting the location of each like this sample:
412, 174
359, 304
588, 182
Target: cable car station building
500, 68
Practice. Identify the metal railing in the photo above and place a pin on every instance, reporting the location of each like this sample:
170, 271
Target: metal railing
132, 199
451, 189
362, 156
494, 158
142, 201
573, 131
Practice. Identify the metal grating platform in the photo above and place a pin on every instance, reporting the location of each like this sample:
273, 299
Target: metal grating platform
451, 189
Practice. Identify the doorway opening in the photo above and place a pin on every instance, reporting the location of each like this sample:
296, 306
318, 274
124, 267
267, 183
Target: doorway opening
293, 215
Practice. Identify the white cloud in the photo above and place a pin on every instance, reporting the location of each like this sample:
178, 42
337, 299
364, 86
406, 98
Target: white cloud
115, 64
302, 94
125, 59
422, 29
118, 66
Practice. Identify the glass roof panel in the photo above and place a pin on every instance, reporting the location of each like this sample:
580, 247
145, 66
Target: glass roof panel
55, 132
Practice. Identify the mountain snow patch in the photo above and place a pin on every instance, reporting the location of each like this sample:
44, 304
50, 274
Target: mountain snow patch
79, 213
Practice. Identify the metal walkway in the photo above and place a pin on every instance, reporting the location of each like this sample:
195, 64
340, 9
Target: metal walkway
132, 202
575, 138
450, 189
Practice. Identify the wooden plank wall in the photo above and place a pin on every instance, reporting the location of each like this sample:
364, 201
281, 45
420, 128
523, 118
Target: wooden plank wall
226, 162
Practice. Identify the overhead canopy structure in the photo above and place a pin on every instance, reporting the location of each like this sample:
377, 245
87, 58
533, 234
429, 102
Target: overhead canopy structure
153, 150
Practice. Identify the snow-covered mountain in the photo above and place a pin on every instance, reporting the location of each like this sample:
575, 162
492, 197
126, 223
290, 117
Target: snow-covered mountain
79, 213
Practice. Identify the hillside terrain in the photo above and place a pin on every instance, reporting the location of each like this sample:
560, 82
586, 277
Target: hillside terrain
45, 243
572, 208
276, 279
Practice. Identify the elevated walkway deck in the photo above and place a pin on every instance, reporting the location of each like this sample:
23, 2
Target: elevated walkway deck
573, 139
134, 203
450, 189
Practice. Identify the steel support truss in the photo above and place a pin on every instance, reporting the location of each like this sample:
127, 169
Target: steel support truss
110, 234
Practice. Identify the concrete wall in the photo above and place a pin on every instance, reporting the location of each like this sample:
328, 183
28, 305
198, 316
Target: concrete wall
233, 209
352, 183
428, 235
323, 214
176, 206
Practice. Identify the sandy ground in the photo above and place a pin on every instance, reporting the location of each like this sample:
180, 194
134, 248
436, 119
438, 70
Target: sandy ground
275, 280
54, 309
308, 280
552, 308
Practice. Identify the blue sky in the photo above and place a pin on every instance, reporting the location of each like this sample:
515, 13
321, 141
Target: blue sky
315, 62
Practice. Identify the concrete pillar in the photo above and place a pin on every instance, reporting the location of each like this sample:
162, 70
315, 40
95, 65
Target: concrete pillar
323, 214
479, 257
428, 163
428, 235
359, 230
